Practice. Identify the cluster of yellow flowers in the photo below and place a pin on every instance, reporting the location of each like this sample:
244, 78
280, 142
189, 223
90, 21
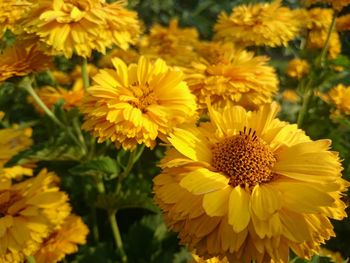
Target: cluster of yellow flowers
241, 186
35, 216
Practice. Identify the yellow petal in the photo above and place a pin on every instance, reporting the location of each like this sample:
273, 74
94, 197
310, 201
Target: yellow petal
265, 200
202, 181
238, 213
216, 203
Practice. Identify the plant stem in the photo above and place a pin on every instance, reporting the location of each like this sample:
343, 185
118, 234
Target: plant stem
31, 259
26, 84
116, 234
303, 110
84, 73
133, 157
326, 45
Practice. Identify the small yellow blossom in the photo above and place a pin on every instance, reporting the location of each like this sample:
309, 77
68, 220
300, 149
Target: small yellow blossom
340, 97
21, 59
63, 241
290, 96
297, 68
343, 23
261, 24
11, 13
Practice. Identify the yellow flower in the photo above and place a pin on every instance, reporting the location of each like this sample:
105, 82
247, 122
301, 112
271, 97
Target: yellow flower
23, 58
173, 44
63, 241
232, 75
30, 210
250, 187
13, 141
343, 23
340, 97
11, 13
50, 96
297, 68
135, 104
318, 21
290, 95
262, 24
128, 56
81, 26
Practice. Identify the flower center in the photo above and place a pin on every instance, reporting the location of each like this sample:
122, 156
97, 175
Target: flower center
244, 158
144, 96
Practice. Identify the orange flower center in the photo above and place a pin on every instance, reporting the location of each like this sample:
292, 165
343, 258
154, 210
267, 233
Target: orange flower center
244, 158
144, 96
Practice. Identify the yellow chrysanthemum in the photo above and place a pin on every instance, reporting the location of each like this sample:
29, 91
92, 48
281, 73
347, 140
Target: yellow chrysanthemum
250, 187
173, 44
13, 141
29, 210
23, 58
340, 97
135, 104
70, 26
343, 23
11, 13
63, 241
232, 75
297, 68
262, 24
290, 95
51, 95
318, 21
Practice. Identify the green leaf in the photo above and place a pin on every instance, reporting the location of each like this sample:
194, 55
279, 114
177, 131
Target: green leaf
103, 165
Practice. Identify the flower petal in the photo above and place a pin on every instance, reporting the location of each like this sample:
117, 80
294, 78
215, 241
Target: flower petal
238, 213
216, 203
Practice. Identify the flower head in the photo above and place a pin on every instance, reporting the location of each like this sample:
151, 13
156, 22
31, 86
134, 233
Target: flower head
340, 97
11, 13
343, 23
338, 5
297, 68
250, 187
231, 75
29, 211
21, 59
135, 104
262, 24
173, 44
63, 24
63, 241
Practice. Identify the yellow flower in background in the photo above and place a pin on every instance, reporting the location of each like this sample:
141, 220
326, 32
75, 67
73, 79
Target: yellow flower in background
343, 23
11, 13
30, 211
232, 75
128, 56
63, 241
297, 68
173, 44
21, 59
340, 97
137, 103
290, 96
51, 95
250, 187
318, 21
13, 141
63, 24
262, 24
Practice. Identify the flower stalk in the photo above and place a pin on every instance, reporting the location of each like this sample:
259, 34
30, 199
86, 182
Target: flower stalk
116, 234
85, 74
